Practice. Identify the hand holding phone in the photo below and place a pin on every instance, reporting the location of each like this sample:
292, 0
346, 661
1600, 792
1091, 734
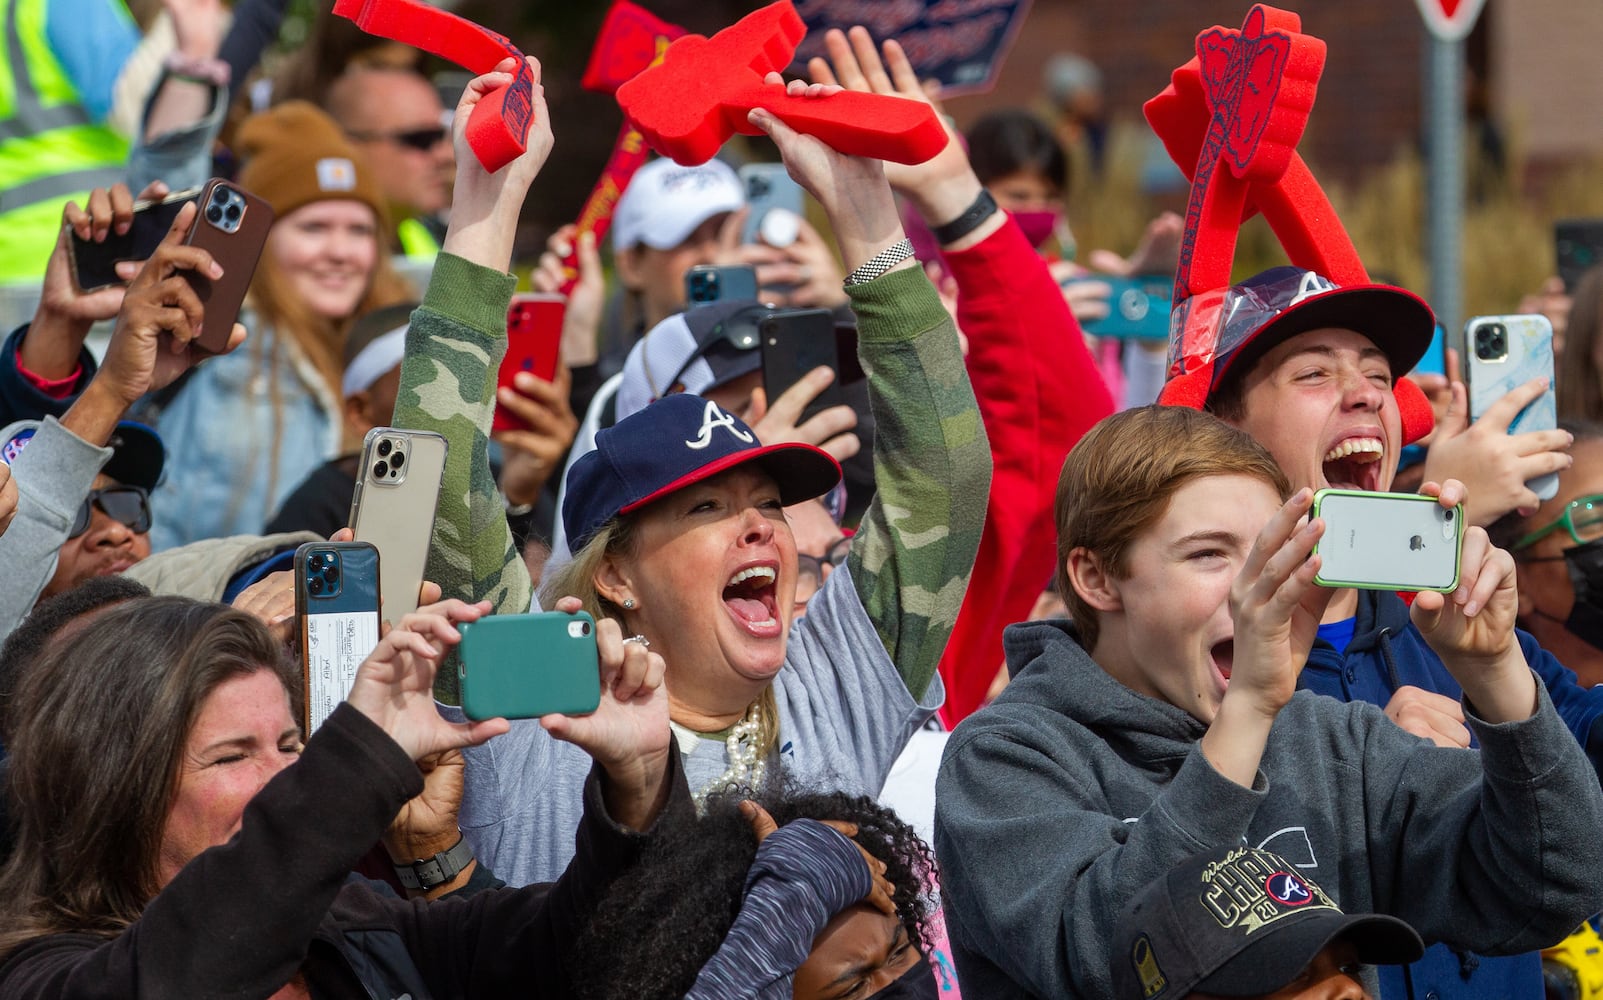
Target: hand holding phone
95, 246
232, 225
337, 604
1503, 354
796, 341
1388, 541
715, 282
534, 345
1138, 308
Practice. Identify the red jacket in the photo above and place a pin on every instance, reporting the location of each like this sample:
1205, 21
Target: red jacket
1039, 390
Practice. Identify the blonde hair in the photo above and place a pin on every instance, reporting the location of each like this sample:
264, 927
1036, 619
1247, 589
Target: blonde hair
1118, 481
616, 539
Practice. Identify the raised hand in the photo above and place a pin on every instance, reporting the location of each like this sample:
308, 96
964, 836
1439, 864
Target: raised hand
428, 824
628, 733
271, 600
1493, 463
829, 429
485, 206
581, 319
1472, 630
394, 686
881, 893
530, 457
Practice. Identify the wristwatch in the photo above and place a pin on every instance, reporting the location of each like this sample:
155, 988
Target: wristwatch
426, 873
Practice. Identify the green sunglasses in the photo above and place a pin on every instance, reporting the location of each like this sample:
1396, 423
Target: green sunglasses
1583, 519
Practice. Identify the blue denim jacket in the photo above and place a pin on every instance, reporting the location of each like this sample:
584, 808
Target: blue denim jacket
234, 451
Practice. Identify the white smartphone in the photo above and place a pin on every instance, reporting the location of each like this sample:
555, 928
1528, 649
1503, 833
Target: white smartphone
1387, 541
1502, 353
397, 493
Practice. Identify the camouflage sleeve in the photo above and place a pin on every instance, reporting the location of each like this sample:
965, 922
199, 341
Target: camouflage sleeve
915, 549
448, 382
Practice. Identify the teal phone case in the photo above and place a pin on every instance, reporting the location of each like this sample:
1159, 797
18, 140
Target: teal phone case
526, 666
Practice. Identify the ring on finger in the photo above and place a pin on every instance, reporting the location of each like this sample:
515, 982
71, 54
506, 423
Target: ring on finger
639, 640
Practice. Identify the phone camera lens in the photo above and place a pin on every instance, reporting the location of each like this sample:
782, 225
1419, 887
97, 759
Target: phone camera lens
380, 470
331, 574
315, 584
233, 213
220, 195
584, 628
316, 560
1447, 516
214, 214
384, 447
397, 460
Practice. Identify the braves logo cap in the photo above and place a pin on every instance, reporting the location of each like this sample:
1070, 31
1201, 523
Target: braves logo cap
677, 441
1239, 922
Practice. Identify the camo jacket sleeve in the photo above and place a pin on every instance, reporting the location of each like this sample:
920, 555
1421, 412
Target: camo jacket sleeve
914, 551
453, 350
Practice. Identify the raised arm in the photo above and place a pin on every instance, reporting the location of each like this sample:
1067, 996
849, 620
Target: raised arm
453, 349
911, 559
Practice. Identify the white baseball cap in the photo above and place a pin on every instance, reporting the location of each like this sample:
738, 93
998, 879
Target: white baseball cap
665, 202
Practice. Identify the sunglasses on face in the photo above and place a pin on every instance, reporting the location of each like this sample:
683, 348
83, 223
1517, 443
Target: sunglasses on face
1583, 519
127, 505
420, 139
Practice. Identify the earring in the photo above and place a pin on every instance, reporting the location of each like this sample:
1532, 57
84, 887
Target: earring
628, 604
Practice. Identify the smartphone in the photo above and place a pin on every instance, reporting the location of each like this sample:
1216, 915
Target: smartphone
94, 265
397, 492
1502, 352
1387, 541
713, 282
794, 342
1138, 308
1435, 360
534, 341
769, 187
526, 666
337, 602
232, 226
1578, 245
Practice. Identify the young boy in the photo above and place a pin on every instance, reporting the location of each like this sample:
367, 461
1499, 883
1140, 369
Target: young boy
1165, 721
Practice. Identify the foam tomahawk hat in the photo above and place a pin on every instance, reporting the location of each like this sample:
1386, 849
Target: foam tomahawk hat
1231, 119
1239, 922
675, 442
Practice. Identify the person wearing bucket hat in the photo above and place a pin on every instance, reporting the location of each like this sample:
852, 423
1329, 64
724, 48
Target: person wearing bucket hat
1166, 719
247, 429
1242, 922
706, 573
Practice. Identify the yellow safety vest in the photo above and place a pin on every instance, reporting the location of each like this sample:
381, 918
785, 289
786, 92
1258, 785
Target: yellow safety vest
50, 152
416, 240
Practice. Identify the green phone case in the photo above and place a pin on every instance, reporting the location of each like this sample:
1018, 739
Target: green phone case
1387, 541
526, 666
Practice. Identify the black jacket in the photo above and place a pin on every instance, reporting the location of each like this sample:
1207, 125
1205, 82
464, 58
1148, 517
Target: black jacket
242, 918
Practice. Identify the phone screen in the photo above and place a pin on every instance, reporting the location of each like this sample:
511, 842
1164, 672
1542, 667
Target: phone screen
337, 597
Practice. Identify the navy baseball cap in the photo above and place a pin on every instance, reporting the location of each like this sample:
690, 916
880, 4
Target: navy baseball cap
677, 441
1214, 334
1239, 922
137, 454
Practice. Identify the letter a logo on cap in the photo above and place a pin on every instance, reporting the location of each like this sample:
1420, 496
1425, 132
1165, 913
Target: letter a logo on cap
714, 417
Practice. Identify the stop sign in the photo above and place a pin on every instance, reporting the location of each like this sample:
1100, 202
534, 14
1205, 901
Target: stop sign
1450, 20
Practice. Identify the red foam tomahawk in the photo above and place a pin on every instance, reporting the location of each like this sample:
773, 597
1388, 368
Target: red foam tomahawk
1231, 119
699, 96
632, 40
498, 129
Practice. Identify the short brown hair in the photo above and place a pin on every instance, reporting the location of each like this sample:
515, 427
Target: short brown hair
1118, 480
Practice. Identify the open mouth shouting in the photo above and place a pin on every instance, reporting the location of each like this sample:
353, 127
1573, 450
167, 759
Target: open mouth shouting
1222, 654
1354, 463
751, 597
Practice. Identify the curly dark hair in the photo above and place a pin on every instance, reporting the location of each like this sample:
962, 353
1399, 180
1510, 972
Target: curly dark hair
663, 920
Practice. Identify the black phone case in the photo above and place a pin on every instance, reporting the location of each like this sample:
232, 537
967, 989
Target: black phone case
794, 342
94, 265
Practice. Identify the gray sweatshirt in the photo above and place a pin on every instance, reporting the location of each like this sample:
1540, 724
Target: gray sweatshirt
54, 473
1059, 801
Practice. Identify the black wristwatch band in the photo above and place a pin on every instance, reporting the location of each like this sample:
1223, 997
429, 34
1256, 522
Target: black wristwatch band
983, 208
426, 873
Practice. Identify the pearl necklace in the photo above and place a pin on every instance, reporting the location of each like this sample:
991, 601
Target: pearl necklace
746, 764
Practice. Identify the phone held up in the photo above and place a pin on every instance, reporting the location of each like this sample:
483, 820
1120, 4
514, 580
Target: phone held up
232, 226
706, 283
393, 507
1503, 353
796, 341
534, 344
94, 265
1388, 541
337, 603
526, 666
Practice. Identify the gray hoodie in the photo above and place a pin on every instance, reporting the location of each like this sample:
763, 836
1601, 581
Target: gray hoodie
1059, 801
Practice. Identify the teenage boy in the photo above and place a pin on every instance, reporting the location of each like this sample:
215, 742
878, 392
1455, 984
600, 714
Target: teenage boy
1244, 923
1308, 369
1165, 720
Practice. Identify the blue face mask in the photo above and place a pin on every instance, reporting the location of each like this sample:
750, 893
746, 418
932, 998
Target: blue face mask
917, 983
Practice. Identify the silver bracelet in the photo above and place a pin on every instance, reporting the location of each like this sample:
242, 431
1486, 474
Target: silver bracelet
881, 262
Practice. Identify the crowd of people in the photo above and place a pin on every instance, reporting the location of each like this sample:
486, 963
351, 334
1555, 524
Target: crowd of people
1009, 673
